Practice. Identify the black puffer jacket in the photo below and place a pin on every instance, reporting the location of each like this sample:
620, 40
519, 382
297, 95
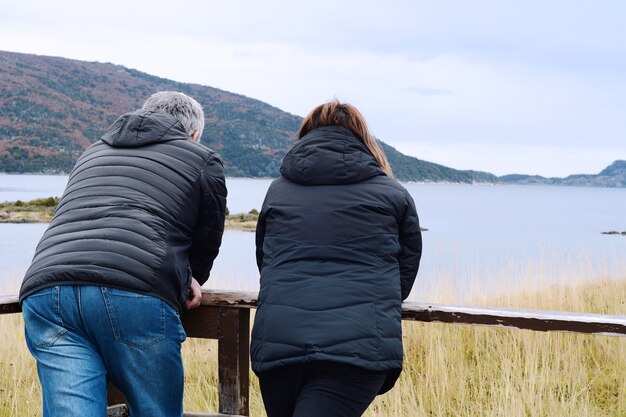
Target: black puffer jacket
338, 247
143, 211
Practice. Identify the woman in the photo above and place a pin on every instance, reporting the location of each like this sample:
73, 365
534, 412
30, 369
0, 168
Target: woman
338, 247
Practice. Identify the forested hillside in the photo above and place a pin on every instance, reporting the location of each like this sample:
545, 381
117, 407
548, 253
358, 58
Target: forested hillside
52, 108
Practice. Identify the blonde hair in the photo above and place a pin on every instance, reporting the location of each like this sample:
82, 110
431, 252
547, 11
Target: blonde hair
335, 113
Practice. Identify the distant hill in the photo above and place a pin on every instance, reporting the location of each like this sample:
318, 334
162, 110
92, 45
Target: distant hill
52, 108
612, 176
410, 168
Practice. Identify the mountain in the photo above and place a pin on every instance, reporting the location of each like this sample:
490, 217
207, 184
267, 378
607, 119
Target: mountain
52, 108
413, 169
612, 176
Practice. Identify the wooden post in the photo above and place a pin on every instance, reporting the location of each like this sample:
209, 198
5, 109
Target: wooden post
233, 334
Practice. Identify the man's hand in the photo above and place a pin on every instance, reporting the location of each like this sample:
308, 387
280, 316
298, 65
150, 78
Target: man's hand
195, 295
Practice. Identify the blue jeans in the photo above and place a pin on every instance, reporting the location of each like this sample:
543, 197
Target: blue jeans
80, 335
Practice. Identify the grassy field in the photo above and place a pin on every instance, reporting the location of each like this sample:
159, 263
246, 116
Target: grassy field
450, 370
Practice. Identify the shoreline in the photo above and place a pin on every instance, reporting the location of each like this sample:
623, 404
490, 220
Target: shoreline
41, 211
233, 222
240, 221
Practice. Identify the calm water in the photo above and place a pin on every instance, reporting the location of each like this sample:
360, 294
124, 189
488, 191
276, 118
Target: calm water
480, 239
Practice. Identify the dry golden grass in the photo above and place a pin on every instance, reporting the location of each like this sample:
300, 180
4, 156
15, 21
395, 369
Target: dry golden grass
20, 394
450, 370
460, 370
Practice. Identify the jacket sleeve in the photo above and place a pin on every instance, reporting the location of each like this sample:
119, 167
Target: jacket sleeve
410, 246
210, 226
260, 234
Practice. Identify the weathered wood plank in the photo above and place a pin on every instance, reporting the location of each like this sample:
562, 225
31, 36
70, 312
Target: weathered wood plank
233, 360
539, 320
201, 322
120, 410
241, 299
9, 304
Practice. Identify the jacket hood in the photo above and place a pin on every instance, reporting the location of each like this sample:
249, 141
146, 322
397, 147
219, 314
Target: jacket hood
144, 127
329, 155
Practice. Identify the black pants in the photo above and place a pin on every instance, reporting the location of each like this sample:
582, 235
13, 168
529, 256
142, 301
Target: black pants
319, 389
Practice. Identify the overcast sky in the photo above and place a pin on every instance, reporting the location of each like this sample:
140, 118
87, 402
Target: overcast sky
533, 87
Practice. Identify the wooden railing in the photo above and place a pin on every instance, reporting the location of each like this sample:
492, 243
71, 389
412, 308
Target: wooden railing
225, 316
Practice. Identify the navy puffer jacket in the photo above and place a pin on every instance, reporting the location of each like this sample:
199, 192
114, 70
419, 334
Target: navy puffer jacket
143, 211
338, 247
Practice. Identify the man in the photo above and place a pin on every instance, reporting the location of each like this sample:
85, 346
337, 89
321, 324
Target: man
133, 238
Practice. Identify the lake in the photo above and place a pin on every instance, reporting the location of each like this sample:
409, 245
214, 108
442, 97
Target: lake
481, 239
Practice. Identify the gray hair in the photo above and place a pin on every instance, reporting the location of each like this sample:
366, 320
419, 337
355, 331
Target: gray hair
187, 110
